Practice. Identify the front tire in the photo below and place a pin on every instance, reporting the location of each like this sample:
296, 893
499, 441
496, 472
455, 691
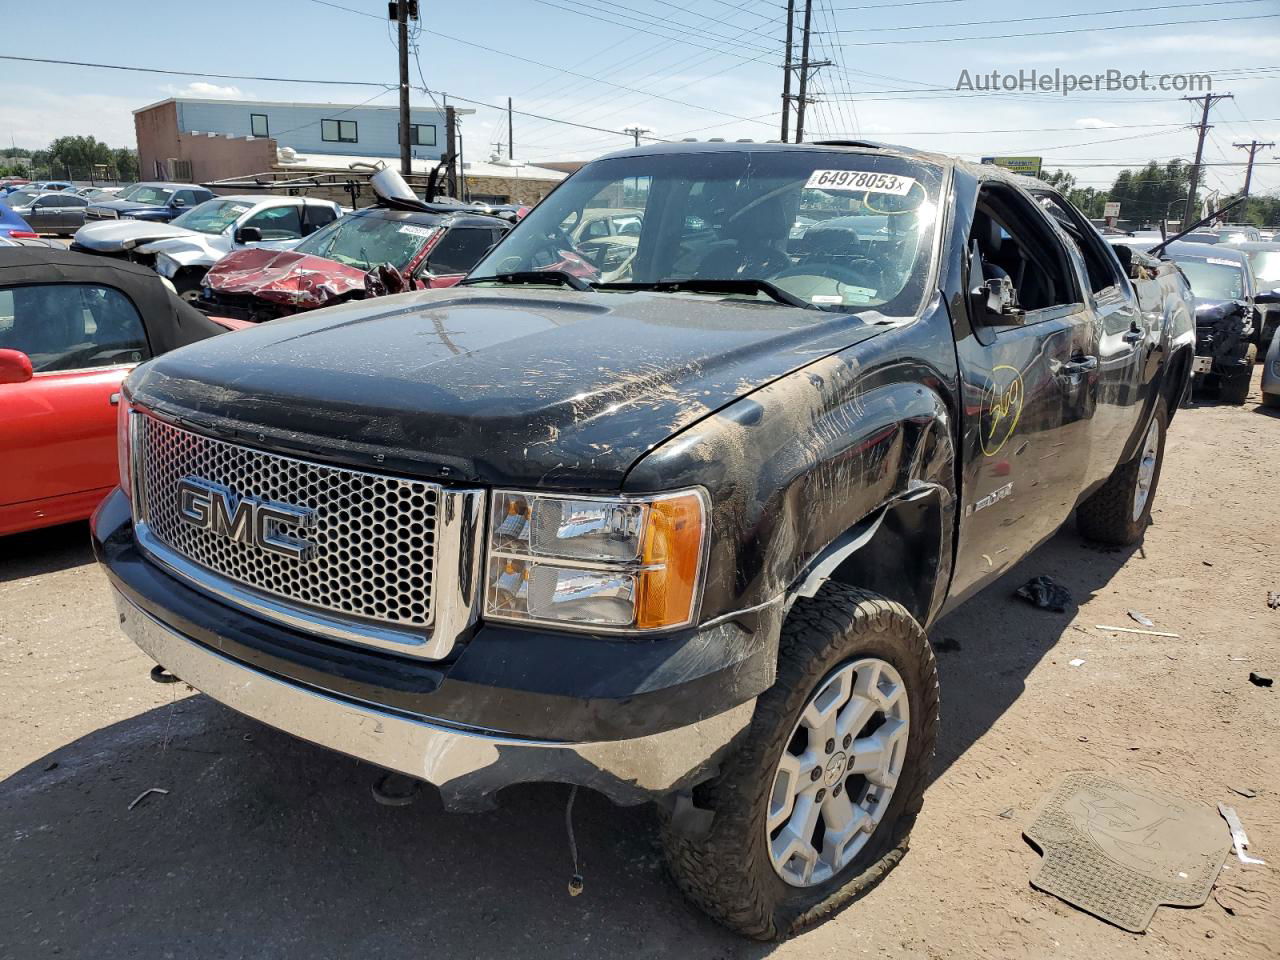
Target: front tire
814, 807
1234, 389
1120, 510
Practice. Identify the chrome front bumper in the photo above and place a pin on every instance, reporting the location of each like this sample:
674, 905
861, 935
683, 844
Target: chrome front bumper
468, 766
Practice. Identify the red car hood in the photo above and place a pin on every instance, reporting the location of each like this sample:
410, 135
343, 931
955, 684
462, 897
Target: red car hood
282, 276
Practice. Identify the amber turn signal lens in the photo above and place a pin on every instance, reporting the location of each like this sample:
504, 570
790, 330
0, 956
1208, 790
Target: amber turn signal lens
673, 546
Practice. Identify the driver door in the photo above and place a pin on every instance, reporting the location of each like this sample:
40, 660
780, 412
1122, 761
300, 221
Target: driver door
57, 432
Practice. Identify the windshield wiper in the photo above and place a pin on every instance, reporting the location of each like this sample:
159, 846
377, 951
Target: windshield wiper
694, 285
533, 276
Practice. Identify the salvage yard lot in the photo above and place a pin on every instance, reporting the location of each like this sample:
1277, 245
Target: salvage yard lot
268, 847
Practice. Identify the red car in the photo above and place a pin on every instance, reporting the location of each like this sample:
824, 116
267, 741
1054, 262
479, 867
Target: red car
428, 249
71, 327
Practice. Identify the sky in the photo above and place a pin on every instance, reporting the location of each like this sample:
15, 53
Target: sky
685, 68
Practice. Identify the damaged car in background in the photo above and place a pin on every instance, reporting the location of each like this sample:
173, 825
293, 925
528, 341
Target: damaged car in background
184, 249
672, 529
402, 243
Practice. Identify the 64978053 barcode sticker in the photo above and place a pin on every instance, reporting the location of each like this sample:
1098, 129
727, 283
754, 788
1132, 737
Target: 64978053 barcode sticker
863, 181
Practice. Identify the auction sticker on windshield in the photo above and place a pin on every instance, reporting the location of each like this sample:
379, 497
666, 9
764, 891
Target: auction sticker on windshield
863, 181
415, 231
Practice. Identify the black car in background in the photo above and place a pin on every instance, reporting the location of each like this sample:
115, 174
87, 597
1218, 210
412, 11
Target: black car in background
49, 211
150, 201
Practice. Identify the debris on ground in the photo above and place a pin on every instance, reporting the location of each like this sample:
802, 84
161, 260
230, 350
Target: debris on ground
1141, 618
1155, 848
946, 645
1273, 600
1246, 792
1239, 659
150, 790
1046, 593
1145, 633
1207, 563
1239, 839
1006, 814
1258, 680
1077, 662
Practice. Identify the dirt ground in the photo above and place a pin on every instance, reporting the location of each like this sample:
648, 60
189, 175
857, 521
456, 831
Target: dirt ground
268, 847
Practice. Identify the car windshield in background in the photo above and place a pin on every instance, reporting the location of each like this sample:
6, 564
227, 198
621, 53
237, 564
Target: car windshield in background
1266, 267
1214, 281
151, 196
212, 216
366, 241
21, 198
832, 230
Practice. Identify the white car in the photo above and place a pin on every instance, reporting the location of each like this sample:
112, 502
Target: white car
184, 249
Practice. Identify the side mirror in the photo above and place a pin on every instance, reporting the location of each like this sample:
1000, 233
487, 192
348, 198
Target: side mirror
15, 367
994, 301
249, 235
1268, 296
179, 202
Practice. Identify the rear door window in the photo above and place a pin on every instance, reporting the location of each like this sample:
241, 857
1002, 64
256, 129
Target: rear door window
72, 326
277, 223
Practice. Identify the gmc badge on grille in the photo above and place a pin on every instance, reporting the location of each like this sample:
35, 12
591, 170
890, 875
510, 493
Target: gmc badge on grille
247, 520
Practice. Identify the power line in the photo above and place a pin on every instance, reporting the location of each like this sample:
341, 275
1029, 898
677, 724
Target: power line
192, 73
1052, 33
1056, 16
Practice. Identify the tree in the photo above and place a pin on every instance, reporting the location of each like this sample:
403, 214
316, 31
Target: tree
77, 157
124, 162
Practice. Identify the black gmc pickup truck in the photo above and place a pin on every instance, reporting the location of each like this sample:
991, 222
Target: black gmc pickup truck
676, 536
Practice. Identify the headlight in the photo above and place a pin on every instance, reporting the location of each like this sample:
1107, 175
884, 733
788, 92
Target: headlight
606, 563
124, 443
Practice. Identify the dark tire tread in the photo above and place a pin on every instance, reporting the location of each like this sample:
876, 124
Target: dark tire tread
1107, 516
722, 873
1235, 389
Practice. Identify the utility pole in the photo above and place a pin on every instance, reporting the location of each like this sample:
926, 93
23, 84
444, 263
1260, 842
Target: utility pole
804, 72
451, 138
1253, 147
511, 133
786, 72
1207, 101
637, 132
400, 11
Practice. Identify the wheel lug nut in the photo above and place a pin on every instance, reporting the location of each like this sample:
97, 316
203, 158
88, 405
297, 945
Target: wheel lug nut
848, 739
831, 746
835, 791
815, 774
822, 795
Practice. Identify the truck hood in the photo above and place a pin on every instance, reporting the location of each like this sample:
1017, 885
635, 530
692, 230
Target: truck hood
283, 276
113, 236
515, 386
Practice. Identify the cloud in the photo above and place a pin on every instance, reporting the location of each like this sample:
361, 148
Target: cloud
198, 88
1094, 123
35, 116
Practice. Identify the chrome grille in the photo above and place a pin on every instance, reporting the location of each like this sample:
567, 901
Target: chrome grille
374, 536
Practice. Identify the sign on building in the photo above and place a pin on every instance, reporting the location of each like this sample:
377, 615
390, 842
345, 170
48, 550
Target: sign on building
1111, 209
1027, 166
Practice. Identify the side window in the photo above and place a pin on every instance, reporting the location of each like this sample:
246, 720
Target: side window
1015, 242
71, 326
315, 216
258, 124
1097, 260
70, 201
459, 250
189, 198
277, 223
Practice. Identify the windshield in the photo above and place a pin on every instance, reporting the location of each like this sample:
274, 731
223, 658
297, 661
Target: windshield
1214, 281
212, 216
368, 240
145, 194
831, 229
1266, 266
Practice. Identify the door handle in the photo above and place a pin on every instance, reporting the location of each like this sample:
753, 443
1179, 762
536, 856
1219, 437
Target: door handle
1133, 335
1080, 365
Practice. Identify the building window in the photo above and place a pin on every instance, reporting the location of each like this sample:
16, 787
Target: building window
258, 124
420, 134
338, 131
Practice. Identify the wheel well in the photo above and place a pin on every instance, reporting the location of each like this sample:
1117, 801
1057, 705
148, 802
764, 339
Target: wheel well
1175, 380
902, 558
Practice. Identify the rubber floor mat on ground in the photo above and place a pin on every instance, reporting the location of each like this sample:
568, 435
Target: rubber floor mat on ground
1119, 850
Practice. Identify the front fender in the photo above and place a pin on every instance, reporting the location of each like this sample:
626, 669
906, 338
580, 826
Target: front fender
796, 465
